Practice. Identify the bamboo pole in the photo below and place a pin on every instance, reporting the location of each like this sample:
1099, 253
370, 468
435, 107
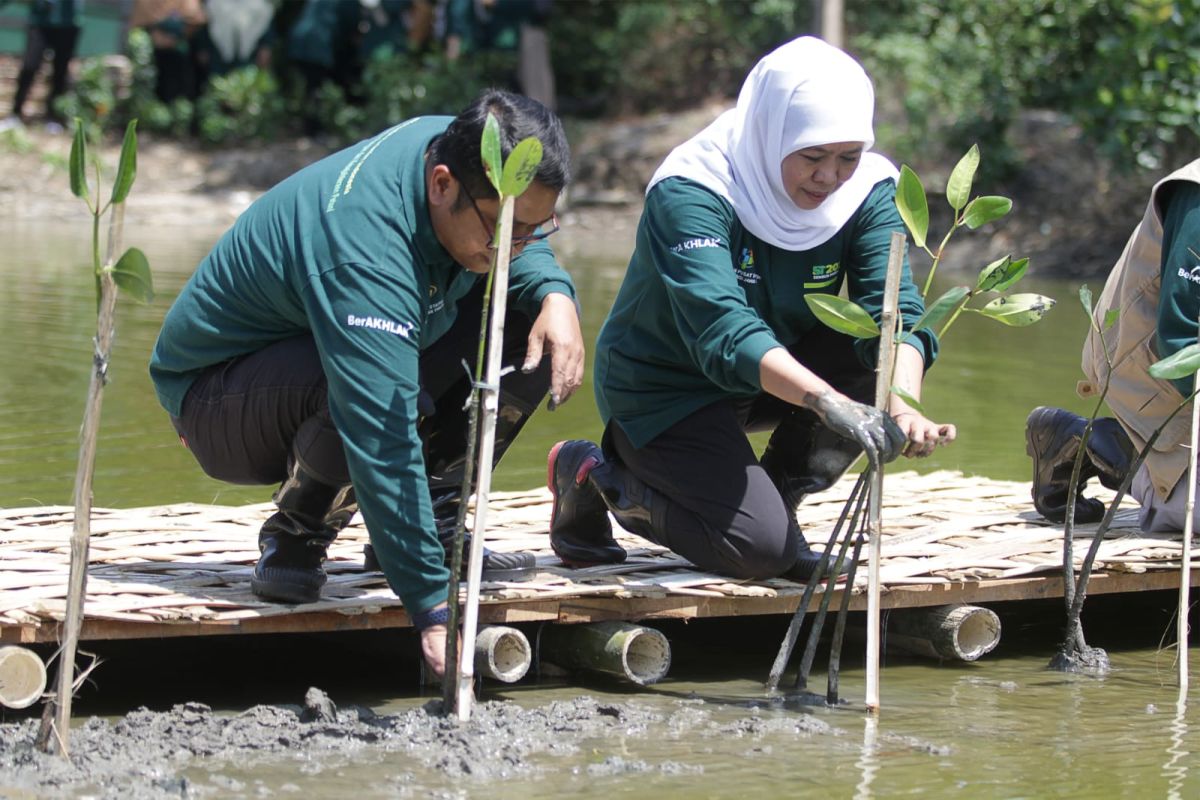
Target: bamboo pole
883, 385
632, 652
81, 530
489, 404
1185, 570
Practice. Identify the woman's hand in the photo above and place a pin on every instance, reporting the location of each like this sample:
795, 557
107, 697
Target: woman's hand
923, 435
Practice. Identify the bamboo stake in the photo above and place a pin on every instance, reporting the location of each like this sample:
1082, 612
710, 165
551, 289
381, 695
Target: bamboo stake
883, 386
81, 530
490, 404
1185, 570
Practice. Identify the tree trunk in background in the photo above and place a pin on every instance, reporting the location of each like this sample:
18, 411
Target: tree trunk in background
828, 16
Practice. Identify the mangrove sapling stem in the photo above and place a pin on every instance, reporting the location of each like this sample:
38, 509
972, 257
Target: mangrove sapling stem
1072, 641
793, 632
888, 323
814, 632
839, 628
89, 435
1185, 566
490, 404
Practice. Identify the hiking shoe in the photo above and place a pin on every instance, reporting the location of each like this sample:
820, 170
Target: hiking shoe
1052, 437
580, 531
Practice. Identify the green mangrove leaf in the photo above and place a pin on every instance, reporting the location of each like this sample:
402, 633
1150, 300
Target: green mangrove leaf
983, 210
1017, 310
521, 167
1014, 272
992, 274
942, 307
843, 315
127, 166
913, 205
958, 188
78, 162
131, 273
908, 398
489, 150
1110, 317
1179, 365
1085, 299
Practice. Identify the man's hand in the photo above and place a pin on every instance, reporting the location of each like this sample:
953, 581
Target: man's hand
881, 439
557, 328
433, 648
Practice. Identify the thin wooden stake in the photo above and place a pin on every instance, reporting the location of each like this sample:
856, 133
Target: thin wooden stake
490, 404
81, 531
888, 324
1185, 570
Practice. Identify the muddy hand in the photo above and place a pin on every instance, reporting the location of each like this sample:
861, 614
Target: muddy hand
881, 439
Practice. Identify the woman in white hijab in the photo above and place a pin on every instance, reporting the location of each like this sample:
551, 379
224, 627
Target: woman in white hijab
710, 337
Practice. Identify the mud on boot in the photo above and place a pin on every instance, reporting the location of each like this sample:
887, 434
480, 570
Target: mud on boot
580, 531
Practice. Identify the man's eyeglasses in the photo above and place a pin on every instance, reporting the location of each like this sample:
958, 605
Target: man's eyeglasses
536, 233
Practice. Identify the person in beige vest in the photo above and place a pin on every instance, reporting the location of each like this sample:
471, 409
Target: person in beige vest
1155, 287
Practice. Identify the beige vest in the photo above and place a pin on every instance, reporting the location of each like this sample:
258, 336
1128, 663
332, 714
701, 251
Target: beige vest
1140, 402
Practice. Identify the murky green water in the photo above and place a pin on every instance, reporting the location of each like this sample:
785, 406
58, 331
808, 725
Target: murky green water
1003, 727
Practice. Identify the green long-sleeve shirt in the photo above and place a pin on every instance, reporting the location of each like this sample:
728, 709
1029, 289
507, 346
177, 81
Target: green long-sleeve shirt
704, 299
345, 250
1179, 294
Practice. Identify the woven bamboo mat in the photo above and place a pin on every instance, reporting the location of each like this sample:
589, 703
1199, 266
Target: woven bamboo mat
190, 562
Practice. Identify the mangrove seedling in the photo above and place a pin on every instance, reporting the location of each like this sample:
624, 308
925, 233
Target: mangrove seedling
1014, 310
1074, 653
129, 273
510, 178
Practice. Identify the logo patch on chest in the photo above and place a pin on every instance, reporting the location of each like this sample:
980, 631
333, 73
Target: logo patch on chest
744, 268
824, 275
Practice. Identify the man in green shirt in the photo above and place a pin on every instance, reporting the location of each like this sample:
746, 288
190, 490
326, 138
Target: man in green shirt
320, 345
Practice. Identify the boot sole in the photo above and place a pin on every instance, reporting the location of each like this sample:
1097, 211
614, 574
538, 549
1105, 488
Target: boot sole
288, 593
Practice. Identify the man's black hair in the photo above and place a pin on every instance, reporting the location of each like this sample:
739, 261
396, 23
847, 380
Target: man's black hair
520, 117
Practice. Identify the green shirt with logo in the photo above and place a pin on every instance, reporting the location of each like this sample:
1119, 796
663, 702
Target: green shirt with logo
345, 250
1179, 295
704, 299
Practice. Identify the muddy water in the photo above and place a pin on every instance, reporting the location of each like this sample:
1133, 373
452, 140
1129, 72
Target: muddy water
1000, 728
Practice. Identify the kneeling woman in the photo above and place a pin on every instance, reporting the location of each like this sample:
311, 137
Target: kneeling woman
710, 338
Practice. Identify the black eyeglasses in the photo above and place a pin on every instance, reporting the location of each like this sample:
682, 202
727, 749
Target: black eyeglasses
538, 233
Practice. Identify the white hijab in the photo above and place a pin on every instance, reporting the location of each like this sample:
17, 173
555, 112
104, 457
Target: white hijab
803, 94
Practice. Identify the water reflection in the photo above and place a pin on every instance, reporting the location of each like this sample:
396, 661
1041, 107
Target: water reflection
1176, 768
868, 760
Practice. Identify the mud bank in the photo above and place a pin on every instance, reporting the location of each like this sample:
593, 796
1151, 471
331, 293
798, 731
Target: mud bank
146, 753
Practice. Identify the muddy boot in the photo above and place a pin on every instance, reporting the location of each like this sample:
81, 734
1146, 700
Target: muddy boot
294, 541
580, 531
804, 457
1052, 437
444, 436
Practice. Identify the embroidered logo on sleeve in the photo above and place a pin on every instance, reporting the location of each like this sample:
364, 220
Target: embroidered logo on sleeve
824, 275
744, 268
380, 324
696, 244
1192, 275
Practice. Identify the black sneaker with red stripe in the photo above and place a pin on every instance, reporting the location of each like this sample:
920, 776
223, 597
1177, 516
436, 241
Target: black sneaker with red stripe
580, 531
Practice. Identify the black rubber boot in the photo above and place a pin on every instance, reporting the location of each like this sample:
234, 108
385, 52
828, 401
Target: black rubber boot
804, 457
444, 435
294, 541
1052, 437
580, 531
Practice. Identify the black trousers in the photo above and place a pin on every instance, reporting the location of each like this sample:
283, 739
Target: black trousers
39, 39
716, 505
242, 419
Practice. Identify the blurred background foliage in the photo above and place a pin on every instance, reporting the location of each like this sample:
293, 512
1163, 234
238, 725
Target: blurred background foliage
948, 73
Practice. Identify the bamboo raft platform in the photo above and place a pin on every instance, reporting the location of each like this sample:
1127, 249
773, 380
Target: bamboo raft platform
184, 570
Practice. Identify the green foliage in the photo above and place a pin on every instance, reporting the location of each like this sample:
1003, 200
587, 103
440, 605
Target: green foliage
960, 70
521, 167
1178, 365
844, 316
489, 151
131, 272
242, 105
